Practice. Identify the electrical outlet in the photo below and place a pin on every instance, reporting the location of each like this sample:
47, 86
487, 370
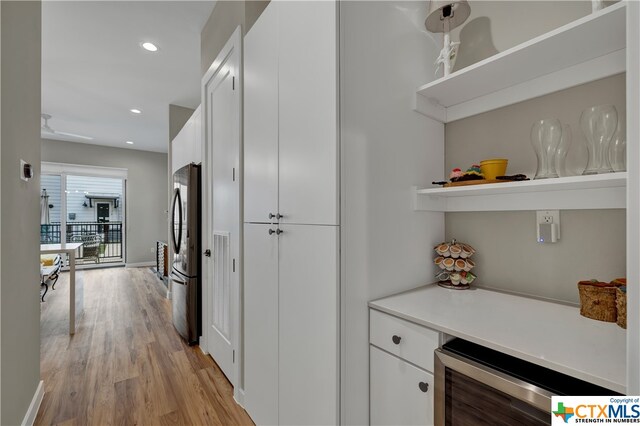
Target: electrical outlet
551, 220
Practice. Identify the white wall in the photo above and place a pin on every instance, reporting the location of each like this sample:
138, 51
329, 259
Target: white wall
146, 191
386, 148
19, 212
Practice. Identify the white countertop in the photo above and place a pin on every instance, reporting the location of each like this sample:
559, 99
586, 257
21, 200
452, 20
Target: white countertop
552, 335
59, 248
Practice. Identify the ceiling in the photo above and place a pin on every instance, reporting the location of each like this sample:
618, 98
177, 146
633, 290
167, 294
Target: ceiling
94, 69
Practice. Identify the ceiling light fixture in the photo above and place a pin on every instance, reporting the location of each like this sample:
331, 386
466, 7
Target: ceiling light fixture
150, 46
129, 142
135, 111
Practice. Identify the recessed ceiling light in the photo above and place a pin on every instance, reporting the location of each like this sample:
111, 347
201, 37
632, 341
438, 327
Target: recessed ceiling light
129, 142
150, 46
135, 111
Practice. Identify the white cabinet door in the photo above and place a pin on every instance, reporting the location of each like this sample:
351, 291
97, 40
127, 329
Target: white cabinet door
309, 354
397, 391
261, 323
308, 171
261, 117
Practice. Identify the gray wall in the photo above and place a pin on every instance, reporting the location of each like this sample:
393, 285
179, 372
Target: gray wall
178, 116
386, 147
505, 132
509, 258
19, 211
224, 19
146, 198
495, 26
593, 242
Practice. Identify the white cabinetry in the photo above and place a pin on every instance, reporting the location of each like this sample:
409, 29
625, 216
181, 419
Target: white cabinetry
291, 150
291, 323
401, 393
261, 118
401, 371
308, 112
187, 145
261, 323
308, 324
291, 286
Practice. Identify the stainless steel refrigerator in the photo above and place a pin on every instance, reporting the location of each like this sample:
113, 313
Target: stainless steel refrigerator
186, 268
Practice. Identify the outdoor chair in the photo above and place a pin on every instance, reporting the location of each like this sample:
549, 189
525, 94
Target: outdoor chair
49, 272
90, 246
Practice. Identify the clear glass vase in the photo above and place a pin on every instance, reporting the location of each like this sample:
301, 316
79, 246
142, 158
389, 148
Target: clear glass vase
545, 138
563, 149
618, 147
598, 124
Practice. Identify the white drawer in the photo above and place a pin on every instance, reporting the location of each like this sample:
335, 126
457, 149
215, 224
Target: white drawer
409, 341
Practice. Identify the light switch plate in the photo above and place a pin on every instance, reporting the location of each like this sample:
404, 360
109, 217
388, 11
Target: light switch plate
26, 171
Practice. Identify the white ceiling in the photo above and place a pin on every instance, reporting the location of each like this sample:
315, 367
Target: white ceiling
94, 70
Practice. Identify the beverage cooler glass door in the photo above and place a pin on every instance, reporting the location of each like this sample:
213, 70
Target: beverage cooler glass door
469, 393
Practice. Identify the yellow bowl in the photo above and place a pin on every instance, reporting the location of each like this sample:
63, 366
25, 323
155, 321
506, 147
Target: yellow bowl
493, 168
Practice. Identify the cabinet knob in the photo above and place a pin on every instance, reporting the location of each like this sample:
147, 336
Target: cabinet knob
279, 231
207, 253
396, 339
424, 387
271, 215
271, 231
279, 216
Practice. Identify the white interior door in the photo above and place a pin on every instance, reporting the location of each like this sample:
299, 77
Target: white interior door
222, 103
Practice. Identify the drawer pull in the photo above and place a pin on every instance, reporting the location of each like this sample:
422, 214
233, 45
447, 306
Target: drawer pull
424, 387
396, 339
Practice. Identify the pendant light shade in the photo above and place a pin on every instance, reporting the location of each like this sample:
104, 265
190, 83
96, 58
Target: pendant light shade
456, 10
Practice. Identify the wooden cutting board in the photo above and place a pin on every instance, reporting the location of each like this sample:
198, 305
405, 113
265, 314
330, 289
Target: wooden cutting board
474, 182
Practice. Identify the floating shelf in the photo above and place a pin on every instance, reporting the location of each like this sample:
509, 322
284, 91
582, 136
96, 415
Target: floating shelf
607, 191
585, 50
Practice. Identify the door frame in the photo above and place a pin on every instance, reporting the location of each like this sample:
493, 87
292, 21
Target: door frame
219, 64
65, 169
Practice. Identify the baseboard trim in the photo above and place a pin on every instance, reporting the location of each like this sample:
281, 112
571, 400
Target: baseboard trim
32, 412
202, 349
140, 264
238, 396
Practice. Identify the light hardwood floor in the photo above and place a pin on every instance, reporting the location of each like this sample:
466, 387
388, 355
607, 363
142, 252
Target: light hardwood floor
126, 365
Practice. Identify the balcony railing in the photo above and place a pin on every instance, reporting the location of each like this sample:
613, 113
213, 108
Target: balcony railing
110, 235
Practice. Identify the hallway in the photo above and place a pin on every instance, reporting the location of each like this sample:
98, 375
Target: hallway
126, 364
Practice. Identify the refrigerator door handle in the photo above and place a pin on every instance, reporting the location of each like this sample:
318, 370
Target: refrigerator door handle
176, 199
